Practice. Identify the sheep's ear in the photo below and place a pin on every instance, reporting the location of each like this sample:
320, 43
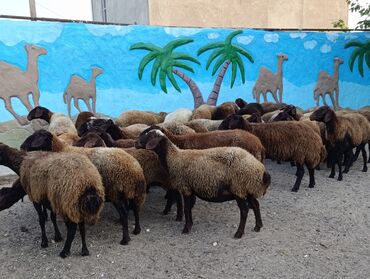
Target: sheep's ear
153, 143
93, 142
37, 142
329, 116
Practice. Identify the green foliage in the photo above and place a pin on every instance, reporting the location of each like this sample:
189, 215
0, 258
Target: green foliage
165, 59
340, 24
362, 52
227, 51
364, 11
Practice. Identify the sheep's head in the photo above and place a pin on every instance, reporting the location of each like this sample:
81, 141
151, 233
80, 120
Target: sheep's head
10, 195
40, 112
90, 140
83, 117
255, 118
240, 102
39, 140
323, 114
106, 125
150, 140
233, 121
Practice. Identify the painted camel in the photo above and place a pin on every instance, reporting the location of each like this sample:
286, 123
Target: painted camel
80, 89
327, 84
269, 82
14, 82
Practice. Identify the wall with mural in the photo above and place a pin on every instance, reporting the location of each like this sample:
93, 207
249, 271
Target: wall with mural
109, 69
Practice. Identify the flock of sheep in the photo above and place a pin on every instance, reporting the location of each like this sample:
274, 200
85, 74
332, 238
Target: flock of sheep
214, 153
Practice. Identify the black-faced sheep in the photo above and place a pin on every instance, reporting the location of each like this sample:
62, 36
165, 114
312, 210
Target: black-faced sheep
240, 176
122, 175
286, 141
69, 184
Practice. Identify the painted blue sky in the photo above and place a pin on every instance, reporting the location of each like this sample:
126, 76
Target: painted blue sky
73, 48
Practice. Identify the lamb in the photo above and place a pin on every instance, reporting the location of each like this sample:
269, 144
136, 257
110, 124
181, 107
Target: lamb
122, 175
181, 116
176, 129
203, 112
154, 173
192, 172
304, 145
67, 183
237, 138
58, 123
140, 117
344, 131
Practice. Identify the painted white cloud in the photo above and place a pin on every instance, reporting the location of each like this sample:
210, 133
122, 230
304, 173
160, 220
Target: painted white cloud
245, 40
310, 44
325, 48
213, 36
271, 37
297, 35
332, 36
16, 32
177, 32
114, 30
350, 36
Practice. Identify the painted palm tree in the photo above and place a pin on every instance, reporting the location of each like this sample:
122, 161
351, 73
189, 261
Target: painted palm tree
167, 62
226, 53
362, 52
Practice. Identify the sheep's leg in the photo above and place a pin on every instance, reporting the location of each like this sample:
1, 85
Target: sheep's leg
254, 204
170, 196
122, 211
300, 173
244, 208
357, 153
71, 232
136, 210
44, 239
332, 173
311, 172
180, 208
364, 157
84, 250
348, 160
188, 214
45, 212
57, 236
339, 162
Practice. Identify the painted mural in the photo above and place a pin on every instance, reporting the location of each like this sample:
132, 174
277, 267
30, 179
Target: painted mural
69, 67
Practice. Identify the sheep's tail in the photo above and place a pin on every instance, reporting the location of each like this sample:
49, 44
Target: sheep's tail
10, 195
140, 194
90, 205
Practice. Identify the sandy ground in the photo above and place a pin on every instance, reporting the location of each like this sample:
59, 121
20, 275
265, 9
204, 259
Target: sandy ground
316, 233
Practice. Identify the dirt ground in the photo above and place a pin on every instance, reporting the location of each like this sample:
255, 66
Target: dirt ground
316, 233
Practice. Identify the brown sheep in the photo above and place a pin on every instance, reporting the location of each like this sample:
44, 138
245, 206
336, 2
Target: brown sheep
140, 117
69, 184
203, 112
122, 175
286, 141
239, 176
223, 110
83, 117
237, 138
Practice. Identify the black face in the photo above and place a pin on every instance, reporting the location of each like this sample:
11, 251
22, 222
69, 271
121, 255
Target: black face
320, 113
39, 112
149, 135
90, 140
233, 121
106, 125
40, 140
240, 102
255, 118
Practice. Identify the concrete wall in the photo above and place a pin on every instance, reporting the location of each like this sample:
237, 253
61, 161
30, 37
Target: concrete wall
122, 11
248, 13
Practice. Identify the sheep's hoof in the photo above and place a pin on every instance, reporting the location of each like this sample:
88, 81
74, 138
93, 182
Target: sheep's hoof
238, 234
364, 169
44, 244
257, 228
58, 238
340, 178
178, 218
294, 189
125, 241
186, 230
311, 185
346, 171
331, 176
165, 212
136, 231
64, 254
85, 252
